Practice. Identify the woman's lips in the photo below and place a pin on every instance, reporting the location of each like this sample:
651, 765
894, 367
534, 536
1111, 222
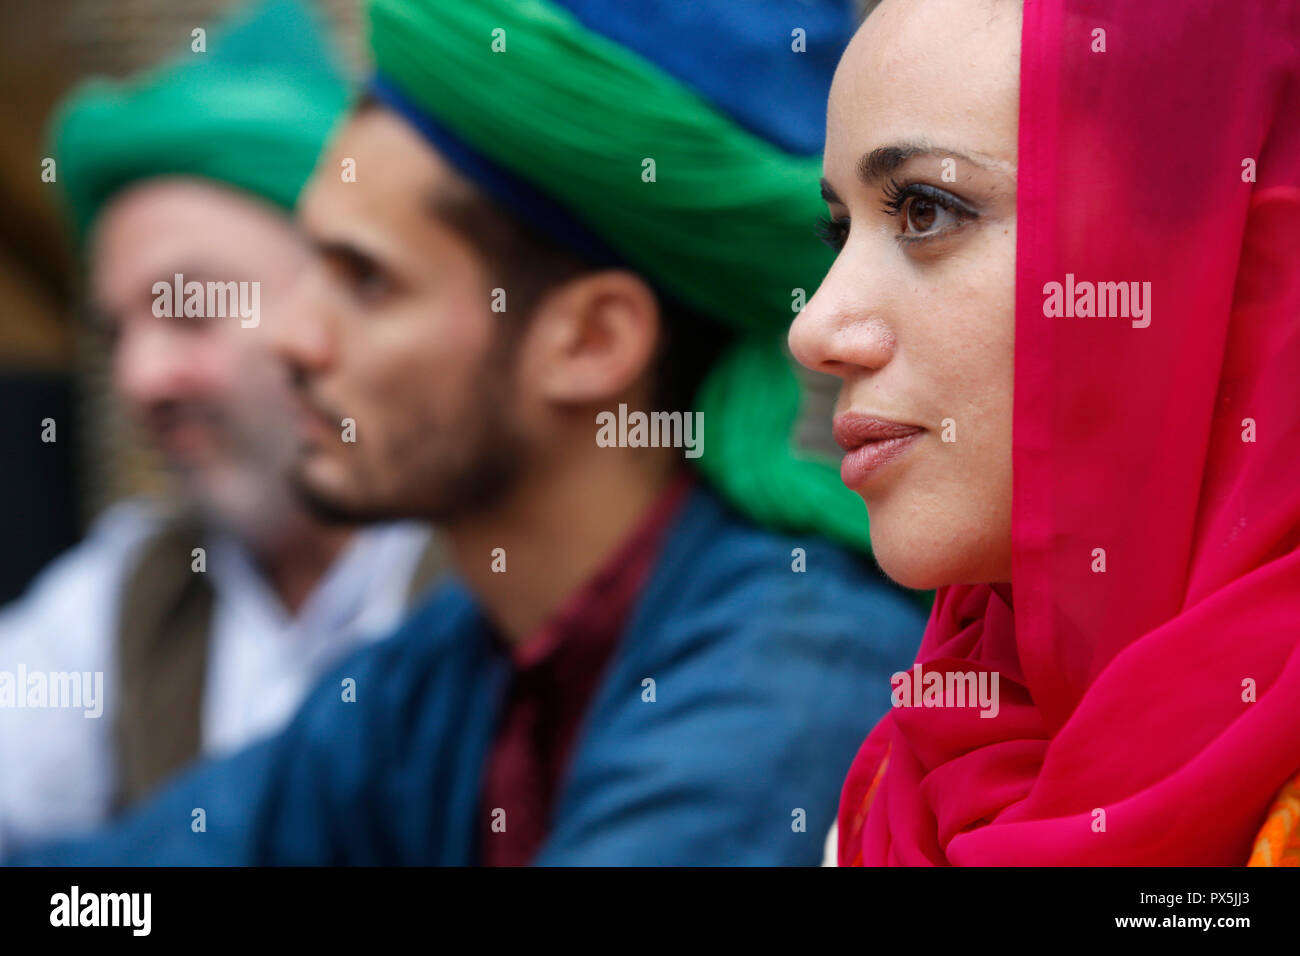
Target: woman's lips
870, 444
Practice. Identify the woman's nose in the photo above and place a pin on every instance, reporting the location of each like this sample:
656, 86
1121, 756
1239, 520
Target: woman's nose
841, 331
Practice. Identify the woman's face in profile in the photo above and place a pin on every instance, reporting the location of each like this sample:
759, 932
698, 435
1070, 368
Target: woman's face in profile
916, 315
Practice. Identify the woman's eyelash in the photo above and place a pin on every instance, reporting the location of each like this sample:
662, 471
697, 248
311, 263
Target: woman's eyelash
897, 194
833, 232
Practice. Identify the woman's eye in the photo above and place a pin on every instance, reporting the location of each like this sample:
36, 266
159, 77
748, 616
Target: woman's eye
924, 211
833, 232
922, 217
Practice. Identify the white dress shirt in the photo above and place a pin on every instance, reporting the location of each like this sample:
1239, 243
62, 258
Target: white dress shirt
58, 769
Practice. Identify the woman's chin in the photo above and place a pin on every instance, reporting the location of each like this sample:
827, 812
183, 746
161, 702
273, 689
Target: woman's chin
927, 541
923, 566
915, 560
909, 572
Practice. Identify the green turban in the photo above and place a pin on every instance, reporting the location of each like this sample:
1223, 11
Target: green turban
253, 111
725, 224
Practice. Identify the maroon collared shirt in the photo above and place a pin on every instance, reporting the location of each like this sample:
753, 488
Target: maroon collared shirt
556, 673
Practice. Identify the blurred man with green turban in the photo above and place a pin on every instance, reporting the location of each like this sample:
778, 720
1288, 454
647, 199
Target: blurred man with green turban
557, 248
196, 627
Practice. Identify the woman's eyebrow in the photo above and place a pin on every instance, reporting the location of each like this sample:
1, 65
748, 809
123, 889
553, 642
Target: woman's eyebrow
883, 160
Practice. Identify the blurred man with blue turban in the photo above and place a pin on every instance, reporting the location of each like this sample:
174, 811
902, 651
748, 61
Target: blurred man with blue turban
557, 247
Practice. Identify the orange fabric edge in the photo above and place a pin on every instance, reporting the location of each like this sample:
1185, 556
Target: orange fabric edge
1278, 841
859, 818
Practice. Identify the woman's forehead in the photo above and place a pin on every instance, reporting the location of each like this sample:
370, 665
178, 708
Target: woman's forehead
940, 71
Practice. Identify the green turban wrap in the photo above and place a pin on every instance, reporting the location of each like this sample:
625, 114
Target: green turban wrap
725, 224
253, 111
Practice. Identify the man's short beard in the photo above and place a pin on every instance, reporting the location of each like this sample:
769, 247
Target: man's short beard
490, 467
493, 471
327, 510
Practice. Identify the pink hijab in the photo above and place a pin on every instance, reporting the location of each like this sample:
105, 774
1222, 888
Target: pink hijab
1148, 711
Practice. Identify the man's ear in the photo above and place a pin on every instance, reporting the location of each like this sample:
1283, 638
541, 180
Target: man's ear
593, 338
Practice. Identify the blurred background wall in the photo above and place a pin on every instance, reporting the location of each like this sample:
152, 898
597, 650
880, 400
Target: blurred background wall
48, 367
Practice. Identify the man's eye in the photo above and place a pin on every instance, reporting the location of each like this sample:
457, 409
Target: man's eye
360, 276
104, 326
369, 282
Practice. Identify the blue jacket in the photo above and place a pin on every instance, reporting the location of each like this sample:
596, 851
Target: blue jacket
766, 679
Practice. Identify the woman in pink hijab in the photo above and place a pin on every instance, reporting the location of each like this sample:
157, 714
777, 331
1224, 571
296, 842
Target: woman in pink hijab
1066, 317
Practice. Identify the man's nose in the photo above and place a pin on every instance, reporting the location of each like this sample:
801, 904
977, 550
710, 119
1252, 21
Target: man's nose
302, 333
155, 363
